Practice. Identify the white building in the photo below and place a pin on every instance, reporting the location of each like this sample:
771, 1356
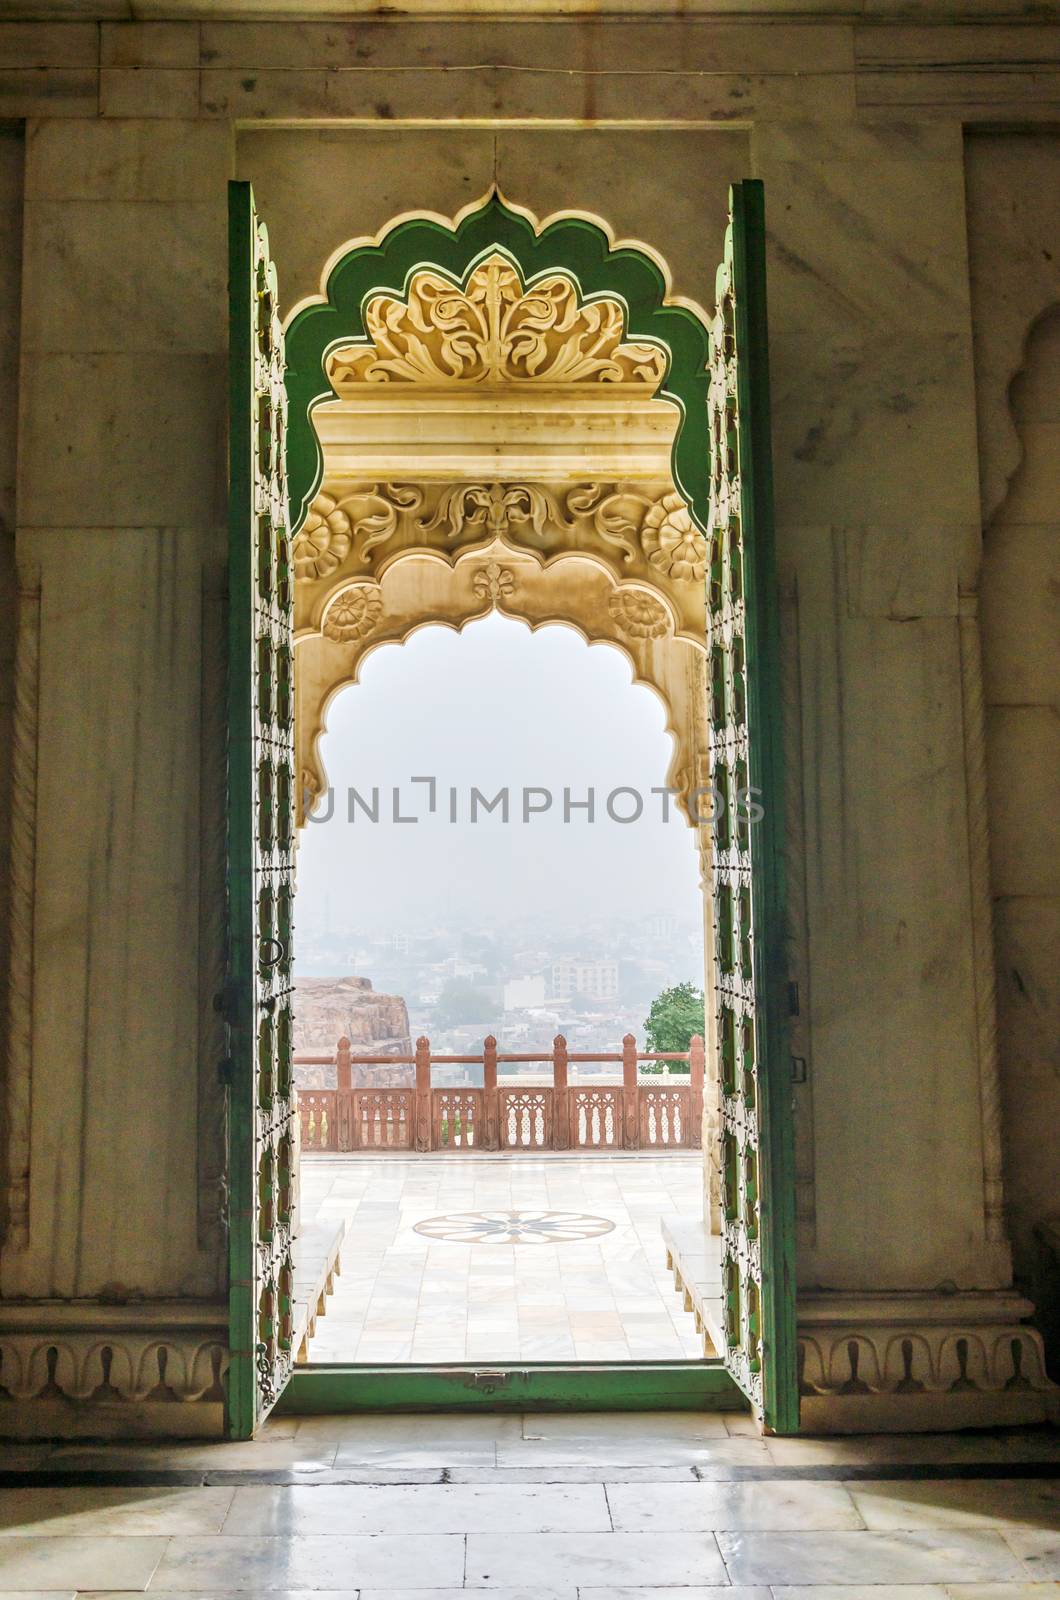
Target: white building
520, 993
598, 980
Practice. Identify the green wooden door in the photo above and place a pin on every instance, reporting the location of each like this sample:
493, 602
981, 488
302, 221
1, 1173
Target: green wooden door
745, 741
262, 1149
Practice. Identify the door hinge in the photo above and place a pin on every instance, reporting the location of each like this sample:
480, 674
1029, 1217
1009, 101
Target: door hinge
488, 1382
793, 1000
799, 1070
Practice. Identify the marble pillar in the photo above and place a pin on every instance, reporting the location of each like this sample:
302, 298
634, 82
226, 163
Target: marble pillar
114, 1095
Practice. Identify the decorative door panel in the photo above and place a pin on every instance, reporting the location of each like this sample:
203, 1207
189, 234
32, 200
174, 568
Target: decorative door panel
748, 837
261, 796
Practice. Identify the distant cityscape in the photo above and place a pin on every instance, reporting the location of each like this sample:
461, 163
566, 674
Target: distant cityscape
523, 979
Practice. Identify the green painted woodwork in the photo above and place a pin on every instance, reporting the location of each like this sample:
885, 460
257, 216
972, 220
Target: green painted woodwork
578, 248
717, 376
544, 1386
748, 848
260, 885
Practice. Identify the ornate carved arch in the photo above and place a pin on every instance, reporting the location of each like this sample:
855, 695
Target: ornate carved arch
421, 588
574, 248
495, 388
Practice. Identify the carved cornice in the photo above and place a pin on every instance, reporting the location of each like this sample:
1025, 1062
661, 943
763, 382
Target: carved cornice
108, 1367
106, 1358
644, 535
953, 1358
494, 330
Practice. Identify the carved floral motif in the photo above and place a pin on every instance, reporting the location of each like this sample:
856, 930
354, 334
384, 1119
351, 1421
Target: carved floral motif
366, 516
672, 542
323, 541
638, 615
494, 330
353, 613
374, 509
494, 507
493, 582
617, 513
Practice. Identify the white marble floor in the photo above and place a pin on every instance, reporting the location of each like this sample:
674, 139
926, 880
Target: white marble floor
548, 1296
592, 1507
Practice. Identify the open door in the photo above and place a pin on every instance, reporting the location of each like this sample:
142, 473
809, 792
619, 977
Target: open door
746, 758
261, 1137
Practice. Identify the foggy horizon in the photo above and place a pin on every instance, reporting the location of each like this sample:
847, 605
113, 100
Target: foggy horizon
495, 707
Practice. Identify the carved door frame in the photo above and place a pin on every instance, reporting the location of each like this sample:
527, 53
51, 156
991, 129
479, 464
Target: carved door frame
716, 375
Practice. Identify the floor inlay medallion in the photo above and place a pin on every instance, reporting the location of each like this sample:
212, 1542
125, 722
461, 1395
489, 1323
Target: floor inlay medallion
514, 1227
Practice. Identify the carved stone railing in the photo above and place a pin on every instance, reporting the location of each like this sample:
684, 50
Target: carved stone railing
514, 1113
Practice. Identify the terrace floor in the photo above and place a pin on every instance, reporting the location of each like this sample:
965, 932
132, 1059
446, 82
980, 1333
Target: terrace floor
578, 1273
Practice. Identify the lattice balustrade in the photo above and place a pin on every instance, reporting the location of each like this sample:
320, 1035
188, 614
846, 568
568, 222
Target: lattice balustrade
664, 1117
660, 1114
596, 1119
382, 1119
526, 1119
457, 1121
317, 1114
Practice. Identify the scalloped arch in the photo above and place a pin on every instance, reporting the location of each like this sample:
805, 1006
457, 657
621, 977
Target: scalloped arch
660, 664
680, 738
576, 246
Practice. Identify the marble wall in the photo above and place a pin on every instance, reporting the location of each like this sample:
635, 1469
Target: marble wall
11, 160
877, 524
1014, 224
884, 423
121, 507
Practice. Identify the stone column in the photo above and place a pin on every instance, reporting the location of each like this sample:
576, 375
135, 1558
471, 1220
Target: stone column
121, 512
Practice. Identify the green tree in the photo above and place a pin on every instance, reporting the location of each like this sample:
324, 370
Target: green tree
675, 1016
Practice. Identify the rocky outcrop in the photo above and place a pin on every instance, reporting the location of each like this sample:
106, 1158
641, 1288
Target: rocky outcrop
326, 1009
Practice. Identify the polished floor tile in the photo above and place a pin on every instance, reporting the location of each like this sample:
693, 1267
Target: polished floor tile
402, 1297
434, 1508
730, 1592
865, 1591
593, 1559
227, 1594
107, 1511
941, 1556
1038, 1549
524, 1592
45, 1594
415, 1441
267, 1453
79, 1563
703, 1507
1003, 1591
977, 1502
260, 1564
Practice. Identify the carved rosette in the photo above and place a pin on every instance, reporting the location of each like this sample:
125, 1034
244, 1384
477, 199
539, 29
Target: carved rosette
493, 330
672, 542
638, 615
353, 613
323, 541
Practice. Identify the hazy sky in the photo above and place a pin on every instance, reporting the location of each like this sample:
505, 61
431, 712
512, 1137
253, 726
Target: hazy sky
496, 705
